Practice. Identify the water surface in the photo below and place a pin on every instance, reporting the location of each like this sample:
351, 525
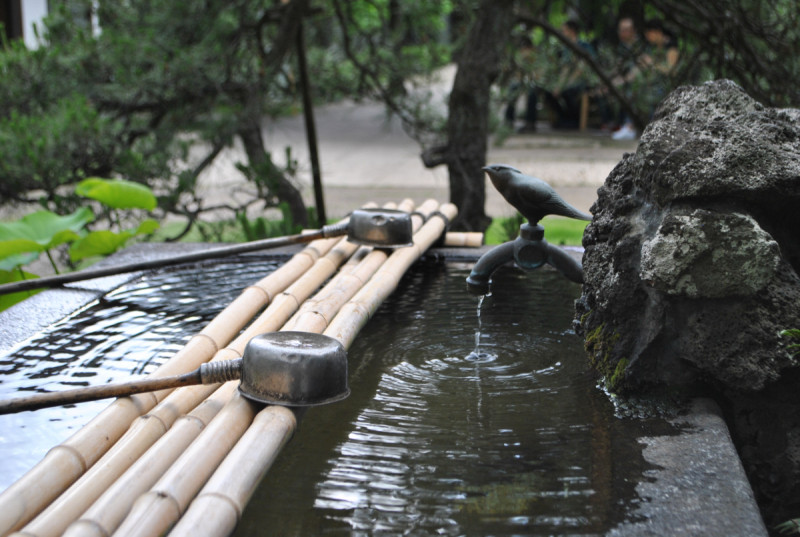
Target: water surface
446, 435
125, 335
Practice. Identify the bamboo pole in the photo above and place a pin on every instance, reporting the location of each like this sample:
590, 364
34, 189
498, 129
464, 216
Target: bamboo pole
65, 463
316, 313
218, 507
103, 517
155, 511
468, 239
78, 498
73, 504
355, 314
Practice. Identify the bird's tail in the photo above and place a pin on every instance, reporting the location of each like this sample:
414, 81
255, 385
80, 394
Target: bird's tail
575, 213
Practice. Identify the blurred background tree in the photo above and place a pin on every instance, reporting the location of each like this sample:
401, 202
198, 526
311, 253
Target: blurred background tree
165, 86
161, 80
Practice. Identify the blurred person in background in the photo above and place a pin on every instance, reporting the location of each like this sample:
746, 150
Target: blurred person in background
657, 63
626, 69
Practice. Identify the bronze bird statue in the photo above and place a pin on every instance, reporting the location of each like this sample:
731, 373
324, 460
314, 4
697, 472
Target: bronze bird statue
532, 197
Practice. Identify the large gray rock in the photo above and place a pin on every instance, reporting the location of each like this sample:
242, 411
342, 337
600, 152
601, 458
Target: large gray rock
691, 273
691, 261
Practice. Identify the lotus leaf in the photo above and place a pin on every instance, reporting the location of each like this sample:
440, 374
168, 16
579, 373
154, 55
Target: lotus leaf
107, 242
117, 193
6, 301
147, 227
17, 260
41, 231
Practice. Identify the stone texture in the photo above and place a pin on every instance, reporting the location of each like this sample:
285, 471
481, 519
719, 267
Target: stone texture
709, 255
691, 260
691, 272
699, 487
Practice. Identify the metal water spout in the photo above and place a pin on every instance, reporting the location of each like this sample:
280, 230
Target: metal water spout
534, 199
530, 251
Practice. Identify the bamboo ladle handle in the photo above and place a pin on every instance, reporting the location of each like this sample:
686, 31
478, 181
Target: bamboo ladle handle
93, 393
210, 373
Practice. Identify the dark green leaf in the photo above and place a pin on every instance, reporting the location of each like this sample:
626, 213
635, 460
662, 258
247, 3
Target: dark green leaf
147, 227
17, 260
45, 228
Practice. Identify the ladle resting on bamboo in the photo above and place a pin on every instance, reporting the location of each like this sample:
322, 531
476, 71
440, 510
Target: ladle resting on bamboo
381, 228
283, 368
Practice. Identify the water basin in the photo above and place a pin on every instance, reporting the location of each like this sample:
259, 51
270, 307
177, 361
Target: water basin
456, 424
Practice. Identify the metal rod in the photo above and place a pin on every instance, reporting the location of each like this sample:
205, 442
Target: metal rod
311, 129
93, 393
53, 281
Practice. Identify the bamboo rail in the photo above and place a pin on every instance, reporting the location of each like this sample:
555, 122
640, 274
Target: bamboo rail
468, 239
355, 314
105, 514
218, 507
154, 513
78, 498
65, 463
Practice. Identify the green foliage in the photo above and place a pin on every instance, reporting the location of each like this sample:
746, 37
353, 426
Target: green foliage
793, 333
53, 144
6, 276
262, 228
619, 373
564, 231
39, 232
559, 231
18, 260
104, 242
503, 229
117, 193
22, 241
790, 526
163, 79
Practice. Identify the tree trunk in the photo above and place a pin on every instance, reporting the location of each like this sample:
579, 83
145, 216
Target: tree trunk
468, 118
261, 162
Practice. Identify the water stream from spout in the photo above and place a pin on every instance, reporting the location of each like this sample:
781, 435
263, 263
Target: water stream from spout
477, 357
478, 331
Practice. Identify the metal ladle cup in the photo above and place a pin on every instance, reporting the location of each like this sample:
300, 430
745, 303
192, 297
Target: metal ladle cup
287, 368
380, 228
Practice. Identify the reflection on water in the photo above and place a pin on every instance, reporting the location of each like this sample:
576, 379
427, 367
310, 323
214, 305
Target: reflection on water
126, 335
446, 435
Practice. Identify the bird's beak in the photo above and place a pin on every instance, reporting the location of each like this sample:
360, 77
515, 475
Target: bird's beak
486, 169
